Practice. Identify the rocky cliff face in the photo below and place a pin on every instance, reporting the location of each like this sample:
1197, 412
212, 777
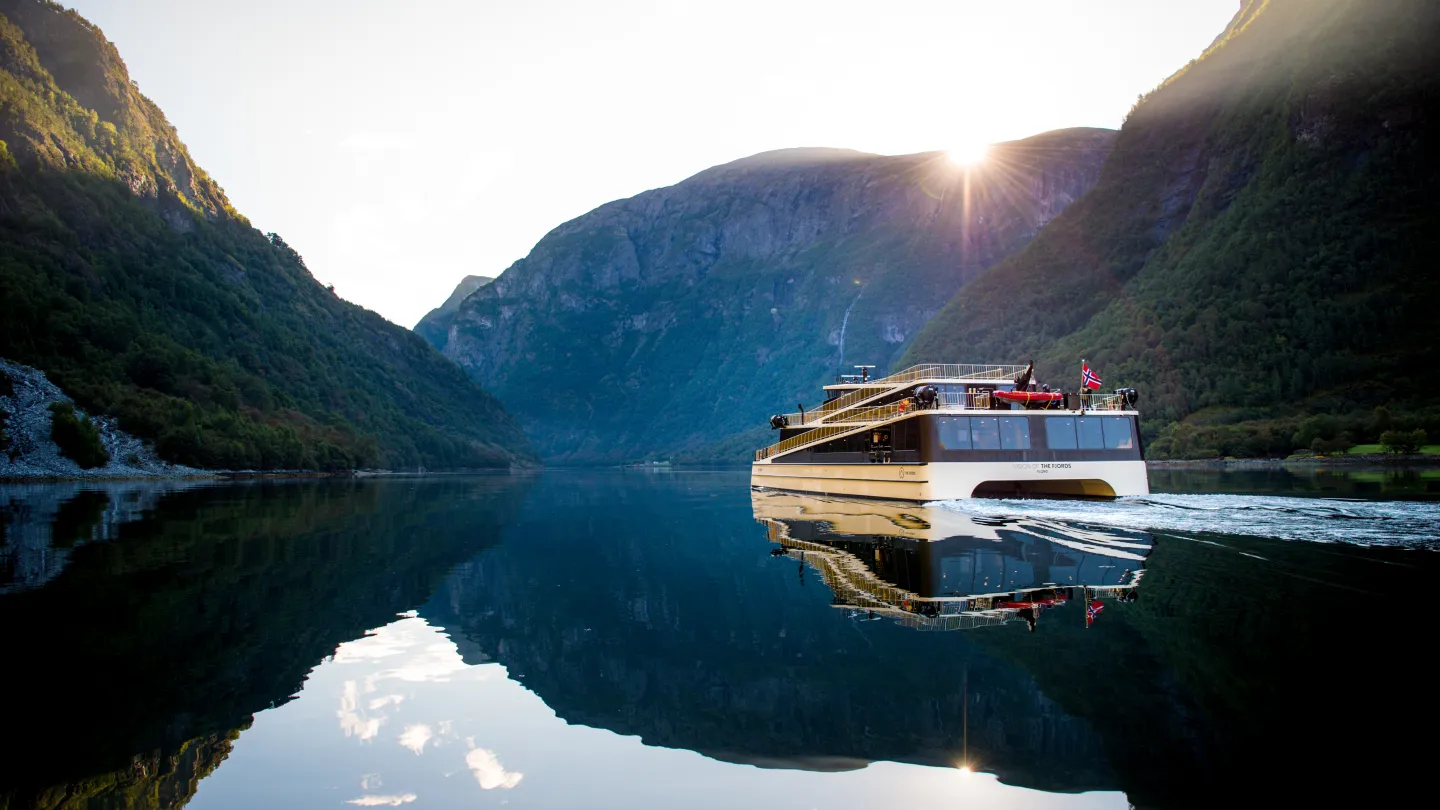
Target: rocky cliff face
435, 326
112, 129
27, 449
671, 323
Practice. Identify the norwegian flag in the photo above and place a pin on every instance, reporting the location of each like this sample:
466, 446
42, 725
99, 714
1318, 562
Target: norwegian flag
1088, 378
1092, 610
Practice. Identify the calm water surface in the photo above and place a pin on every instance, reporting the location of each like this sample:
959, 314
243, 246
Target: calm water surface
671, 639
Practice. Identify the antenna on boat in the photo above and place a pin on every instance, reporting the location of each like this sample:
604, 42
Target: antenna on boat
864, 373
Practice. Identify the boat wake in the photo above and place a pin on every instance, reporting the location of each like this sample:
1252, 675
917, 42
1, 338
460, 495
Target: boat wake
1391, 523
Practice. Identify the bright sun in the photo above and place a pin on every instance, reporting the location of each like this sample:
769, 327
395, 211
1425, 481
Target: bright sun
968, 154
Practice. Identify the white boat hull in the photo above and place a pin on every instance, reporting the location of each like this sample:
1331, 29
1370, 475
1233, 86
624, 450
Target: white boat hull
941, 481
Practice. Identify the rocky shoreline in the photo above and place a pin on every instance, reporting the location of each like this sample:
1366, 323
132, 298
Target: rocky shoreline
33, 456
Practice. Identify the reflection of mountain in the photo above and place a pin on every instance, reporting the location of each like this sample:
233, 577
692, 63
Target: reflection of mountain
153, 779
154, 647
656, 610
621, 613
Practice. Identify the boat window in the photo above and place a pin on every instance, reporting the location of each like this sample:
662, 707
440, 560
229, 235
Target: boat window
985, 433
1060, 433
1090, 436
1117, 433
905, 435
855, 443
955, 433
1014, 433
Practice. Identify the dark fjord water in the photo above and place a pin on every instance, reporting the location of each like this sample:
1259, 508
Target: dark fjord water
668, 640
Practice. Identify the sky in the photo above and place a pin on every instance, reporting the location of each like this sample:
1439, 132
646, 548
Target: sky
399, 146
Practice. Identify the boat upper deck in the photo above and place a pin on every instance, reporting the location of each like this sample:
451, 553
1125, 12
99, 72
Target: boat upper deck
958, 388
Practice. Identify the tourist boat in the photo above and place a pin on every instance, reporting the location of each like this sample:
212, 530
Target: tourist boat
933, 568
938, 432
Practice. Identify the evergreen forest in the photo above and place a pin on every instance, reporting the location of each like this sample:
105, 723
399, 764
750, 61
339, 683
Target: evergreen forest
127, 277
1257, 256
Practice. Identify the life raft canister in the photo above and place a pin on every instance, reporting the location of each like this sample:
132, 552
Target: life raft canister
1028, 396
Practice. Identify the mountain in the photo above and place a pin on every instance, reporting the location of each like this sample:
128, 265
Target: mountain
435, 326
1256, 257
674, 322
129, 279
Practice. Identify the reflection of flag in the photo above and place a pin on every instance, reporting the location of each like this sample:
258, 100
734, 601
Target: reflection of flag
1091, 611
1087, 377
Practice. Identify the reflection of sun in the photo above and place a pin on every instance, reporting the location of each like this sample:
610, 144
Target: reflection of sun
968, 154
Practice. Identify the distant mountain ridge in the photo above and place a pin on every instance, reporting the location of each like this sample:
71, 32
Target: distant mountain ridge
1258, 255
435, 326
128, 278
672, 323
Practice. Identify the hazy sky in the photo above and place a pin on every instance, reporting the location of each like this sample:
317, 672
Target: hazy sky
402, 145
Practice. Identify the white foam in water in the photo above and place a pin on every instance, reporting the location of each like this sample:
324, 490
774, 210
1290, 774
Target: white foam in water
1393, 523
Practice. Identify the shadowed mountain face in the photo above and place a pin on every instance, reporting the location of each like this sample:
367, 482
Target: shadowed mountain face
127, 277
435, 326
1260, 246
166, 630
672, 323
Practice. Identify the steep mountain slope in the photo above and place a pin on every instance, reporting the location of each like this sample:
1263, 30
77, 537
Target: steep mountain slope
126, 276
435, 326
1259, 247
672, 323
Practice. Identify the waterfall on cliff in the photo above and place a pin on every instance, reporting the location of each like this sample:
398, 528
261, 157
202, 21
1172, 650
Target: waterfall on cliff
844, 322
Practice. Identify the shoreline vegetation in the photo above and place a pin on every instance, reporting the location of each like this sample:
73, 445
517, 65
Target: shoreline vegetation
1368, 460
1365, 461
267, 475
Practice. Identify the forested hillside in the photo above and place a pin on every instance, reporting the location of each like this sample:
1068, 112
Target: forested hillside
127, 277
673, 323
1257, 256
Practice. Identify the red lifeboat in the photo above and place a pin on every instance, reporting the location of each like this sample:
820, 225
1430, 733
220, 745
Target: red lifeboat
1029, 397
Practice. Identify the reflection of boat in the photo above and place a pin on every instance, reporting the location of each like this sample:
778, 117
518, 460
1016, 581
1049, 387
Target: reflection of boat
934, 568
936, 432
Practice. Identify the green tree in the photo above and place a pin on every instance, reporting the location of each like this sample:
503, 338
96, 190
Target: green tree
77, 436
1403, 443
1332, 447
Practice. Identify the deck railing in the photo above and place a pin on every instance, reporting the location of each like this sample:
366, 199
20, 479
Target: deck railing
814, 434
877, 387
980, 400
842, 402
1106, 402
843, 423
874, 413
965, 371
